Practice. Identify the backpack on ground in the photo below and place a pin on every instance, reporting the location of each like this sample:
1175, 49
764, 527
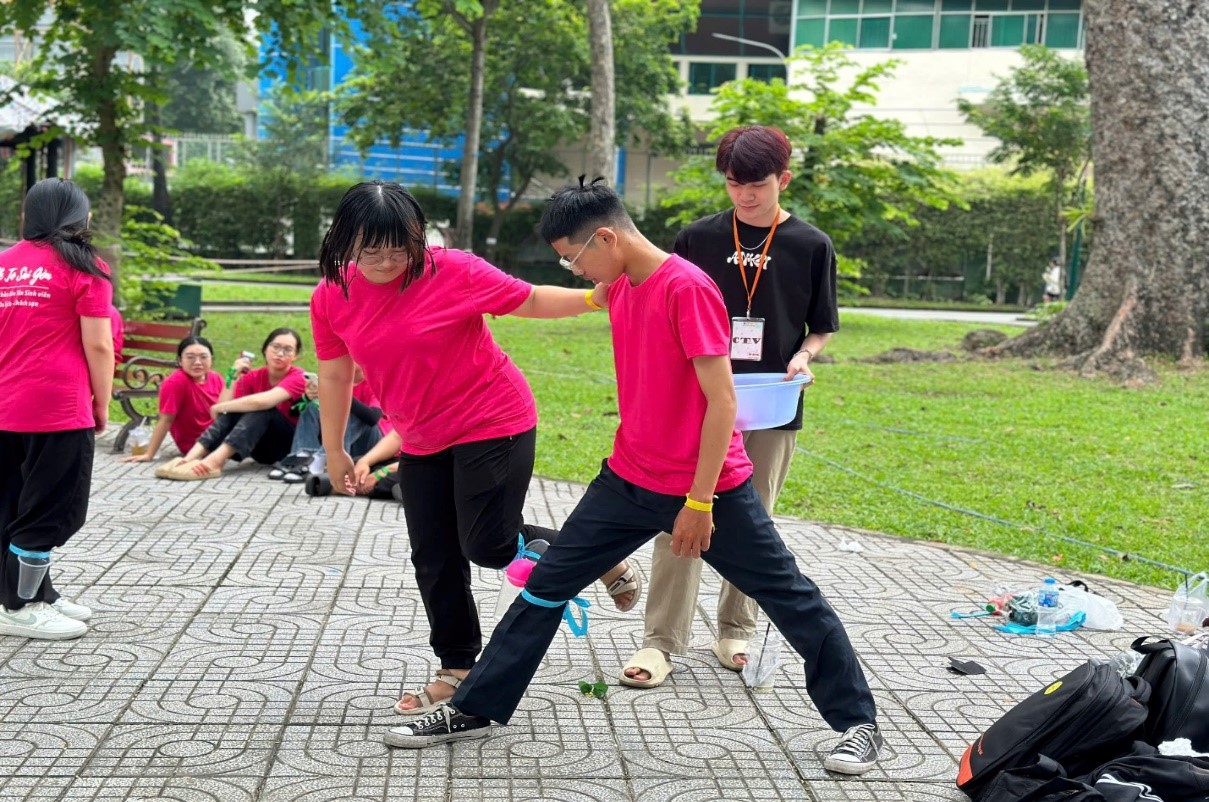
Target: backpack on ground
1178, 676
1079, 721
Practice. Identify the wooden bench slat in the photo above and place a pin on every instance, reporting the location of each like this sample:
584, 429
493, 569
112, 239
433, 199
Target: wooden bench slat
136, 344
143, 328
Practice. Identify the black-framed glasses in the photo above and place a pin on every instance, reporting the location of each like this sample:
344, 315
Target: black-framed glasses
569, 264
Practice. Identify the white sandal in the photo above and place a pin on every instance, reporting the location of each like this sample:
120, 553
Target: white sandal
427, 703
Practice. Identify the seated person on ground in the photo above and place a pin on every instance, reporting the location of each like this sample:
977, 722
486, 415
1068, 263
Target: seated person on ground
365, 428
186, 396
254, 418
376, 472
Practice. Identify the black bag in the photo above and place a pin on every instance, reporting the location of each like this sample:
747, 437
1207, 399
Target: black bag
1179, 701
1044, 781
1146, 775
1081, 720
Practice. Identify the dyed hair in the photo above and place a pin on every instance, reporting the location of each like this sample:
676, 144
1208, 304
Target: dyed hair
751, 153
575, 211
275, 333
56, 212
191, 340
375, 214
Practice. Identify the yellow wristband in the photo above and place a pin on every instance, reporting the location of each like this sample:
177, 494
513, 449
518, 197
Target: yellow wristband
595, 307
699, 506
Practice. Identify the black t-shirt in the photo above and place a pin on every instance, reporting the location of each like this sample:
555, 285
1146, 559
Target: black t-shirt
796, 293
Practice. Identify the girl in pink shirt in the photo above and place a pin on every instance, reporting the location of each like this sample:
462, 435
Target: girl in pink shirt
185, 398
56, 368
412, 317
254, 418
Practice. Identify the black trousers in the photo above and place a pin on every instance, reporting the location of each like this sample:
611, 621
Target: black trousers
613, 519
265, 435
45, 478
464, 505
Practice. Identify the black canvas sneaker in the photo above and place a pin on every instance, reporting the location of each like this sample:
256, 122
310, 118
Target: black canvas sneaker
445, 723
857, 750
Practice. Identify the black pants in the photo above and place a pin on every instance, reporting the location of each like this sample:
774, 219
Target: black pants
463, 505
45, 478
613, 519
264, 435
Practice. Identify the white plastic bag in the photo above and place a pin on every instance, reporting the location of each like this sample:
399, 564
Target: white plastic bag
1101, 613
1189, 605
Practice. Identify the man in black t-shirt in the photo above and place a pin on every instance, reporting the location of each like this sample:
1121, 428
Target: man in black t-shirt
777, 276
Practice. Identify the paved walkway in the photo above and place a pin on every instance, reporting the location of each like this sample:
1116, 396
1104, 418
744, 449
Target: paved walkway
249, 641
996, 318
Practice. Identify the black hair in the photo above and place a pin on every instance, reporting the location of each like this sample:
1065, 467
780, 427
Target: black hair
56, 212
375, 214
192, 340
275, 333
574, 211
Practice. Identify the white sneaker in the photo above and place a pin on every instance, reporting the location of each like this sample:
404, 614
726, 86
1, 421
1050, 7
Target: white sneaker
76, 612
39, 621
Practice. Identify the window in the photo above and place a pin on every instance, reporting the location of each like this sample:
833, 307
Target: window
913, 32
875, 32
990, 5
704, 76
1007, 30
808, 7
845, 6
956, 5
981, 34
811, 31
1028, 5
766, 72
1065, 5
912, 6
1062, 30
843, 29
877, 7
1034, 26
955, 31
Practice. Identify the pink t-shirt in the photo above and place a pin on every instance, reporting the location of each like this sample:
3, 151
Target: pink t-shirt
190, 402
427, 352
43, 370
257, 381
658, 328
119, 333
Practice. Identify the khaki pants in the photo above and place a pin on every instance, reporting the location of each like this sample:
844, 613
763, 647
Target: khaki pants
671, 594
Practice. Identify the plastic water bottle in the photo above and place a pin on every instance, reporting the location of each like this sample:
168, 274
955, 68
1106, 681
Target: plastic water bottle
1047, 608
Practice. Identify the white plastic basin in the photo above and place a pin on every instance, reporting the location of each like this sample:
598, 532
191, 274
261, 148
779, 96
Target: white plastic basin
765, 400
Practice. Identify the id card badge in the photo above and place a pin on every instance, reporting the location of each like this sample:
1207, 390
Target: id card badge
747, 338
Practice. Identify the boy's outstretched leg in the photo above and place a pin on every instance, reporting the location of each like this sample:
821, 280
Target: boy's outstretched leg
747, 550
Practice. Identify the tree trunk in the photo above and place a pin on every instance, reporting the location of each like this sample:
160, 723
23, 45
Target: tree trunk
160, 200
602, 134
107, 215
1146, 288
464, 231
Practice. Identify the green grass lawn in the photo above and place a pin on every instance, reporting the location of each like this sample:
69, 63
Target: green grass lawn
218, 293
1053, 454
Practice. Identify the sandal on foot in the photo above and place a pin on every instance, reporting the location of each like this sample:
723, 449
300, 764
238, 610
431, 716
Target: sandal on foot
193, 471
727, 649
630, 580
653, 663
161, 471
427, 703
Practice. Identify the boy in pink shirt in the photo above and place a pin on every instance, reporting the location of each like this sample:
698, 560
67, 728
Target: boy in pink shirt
678, 465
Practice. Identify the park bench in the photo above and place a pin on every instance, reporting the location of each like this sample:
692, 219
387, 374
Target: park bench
146, 366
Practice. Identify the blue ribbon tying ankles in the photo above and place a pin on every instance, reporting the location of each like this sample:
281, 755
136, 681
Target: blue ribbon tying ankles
578, 628
20, 552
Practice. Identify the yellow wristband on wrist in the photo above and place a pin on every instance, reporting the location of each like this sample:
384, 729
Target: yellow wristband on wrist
595, 307
699, 506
